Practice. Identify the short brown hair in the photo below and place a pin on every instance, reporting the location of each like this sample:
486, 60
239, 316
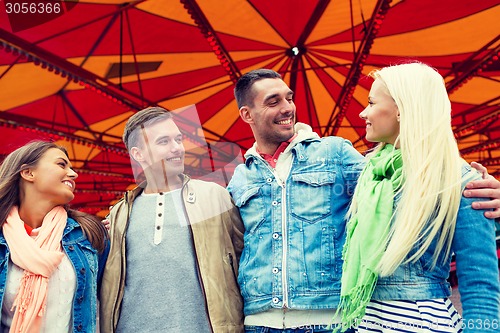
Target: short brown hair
243, 89
142, 118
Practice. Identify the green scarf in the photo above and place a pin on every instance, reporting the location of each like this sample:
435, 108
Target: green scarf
367, 232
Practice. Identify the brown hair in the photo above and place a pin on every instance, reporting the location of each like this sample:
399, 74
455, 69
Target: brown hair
243, 90
10, 176
142, 119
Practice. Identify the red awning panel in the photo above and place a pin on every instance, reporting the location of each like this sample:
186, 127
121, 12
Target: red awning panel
77, 76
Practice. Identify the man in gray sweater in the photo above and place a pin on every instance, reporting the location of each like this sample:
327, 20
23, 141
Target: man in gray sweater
175, 242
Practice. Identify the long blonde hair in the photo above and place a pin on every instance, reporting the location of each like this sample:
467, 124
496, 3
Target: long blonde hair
430, 194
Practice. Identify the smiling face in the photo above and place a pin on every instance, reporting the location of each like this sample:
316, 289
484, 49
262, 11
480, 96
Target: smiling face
272, 114
160, 151
53, 178
381, 115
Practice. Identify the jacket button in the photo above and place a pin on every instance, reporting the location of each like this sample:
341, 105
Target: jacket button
80, 299
71, 247
269, 180
275, 270
79, 327
276, 300
275, 203
276, 235
82, 270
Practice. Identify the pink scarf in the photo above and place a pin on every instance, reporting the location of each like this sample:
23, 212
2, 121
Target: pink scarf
39, 258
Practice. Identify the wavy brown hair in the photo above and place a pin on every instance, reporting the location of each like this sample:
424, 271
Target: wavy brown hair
10, 176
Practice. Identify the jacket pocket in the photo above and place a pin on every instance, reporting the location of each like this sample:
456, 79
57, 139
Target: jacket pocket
231, 259
90, 255
311, 194
251, 205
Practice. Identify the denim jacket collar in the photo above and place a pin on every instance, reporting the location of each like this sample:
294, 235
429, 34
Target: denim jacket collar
70, 225
304, 133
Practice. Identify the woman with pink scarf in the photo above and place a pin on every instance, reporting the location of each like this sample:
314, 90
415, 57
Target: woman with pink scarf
50, 256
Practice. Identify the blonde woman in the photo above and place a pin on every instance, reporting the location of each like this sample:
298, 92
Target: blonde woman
50, 256
408, 217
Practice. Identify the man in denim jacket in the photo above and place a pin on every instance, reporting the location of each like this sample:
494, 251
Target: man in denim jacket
293, 192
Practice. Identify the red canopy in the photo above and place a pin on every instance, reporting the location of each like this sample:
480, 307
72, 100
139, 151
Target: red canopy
77, 75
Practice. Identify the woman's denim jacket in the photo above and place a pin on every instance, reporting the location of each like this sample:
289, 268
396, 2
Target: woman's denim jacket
295, 230
88, 267
476, 263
